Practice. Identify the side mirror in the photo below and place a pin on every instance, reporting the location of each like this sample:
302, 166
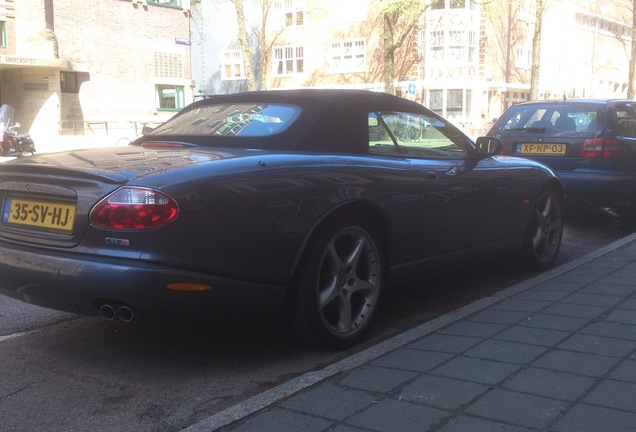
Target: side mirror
489, 146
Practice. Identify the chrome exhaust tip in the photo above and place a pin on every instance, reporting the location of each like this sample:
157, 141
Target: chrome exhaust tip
125, 314
107, 312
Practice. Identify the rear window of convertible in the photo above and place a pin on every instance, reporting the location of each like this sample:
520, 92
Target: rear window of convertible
241, 119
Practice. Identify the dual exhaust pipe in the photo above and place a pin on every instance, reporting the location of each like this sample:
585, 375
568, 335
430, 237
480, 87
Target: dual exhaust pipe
110, 312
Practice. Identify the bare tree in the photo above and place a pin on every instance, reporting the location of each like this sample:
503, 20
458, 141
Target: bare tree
535, 70
244, 42
508, 32
400, 18
631, 85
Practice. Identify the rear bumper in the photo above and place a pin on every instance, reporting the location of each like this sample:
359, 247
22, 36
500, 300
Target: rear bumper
599, 189
80, 284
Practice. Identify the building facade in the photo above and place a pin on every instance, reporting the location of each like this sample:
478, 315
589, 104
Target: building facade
71, 67
466, 60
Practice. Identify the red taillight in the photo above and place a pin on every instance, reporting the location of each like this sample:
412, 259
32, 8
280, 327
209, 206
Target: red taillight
599, 147
134, 208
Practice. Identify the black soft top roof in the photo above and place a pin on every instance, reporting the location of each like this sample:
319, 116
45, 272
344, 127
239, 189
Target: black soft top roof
331, 120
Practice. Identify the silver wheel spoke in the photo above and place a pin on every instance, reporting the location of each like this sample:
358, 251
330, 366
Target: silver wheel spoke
349, 281
344, 315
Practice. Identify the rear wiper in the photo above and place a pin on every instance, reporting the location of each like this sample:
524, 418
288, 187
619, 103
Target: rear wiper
528, 129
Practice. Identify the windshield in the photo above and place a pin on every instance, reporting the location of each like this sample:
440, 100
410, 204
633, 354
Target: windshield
242, 119
550, 117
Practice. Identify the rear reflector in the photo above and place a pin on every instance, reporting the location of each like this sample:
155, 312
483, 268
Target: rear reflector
189, 287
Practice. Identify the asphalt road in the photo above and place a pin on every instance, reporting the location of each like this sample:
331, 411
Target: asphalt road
60, 372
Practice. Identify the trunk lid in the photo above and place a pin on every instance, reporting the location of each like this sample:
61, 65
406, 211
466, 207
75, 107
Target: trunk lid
45, 200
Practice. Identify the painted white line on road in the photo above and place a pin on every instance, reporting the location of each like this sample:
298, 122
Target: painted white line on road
16, 335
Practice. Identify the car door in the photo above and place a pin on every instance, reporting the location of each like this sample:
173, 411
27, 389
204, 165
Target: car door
466, 200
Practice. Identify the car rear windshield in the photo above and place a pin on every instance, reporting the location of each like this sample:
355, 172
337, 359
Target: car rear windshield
551, 118
244, 120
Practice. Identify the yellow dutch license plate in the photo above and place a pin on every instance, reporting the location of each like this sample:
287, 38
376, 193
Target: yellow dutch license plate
543, 149
39, 214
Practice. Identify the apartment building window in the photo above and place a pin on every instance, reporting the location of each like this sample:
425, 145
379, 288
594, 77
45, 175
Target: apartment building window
169, 97
68, 82
456, 51
523, 57
3, 34
348, 56
232, 65
288, 60
170, 3
292, 12
454, 103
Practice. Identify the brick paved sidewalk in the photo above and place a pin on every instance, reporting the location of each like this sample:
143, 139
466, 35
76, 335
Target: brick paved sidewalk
554, 353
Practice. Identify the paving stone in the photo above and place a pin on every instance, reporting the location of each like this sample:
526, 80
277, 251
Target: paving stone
346, 428
506, 351
625, 372
629, 304
602, 345
445, 343
577, 363
593, 299
561, 285
476, 370
578, 277
575, 310
541, 382
473, 329
535, 294
281, 420
622, 316
391, 415
534, 336
611, 329
412, 360
609, 289
614, 394
441, 392
522, 305
588, 418
329, 401
555, 322
376, 379
466, 423
517, 408
496, 316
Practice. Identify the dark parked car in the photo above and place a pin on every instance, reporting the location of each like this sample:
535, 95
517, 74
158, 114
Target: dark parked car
313, 200
590, 144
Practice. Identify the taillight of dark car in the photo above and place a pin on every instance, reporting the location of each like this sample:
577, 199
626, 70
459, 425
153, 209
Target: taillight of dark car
600, 147
134, 208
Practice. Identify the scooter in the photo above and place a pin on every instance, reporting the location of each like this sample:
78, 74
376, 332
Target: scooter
12, 143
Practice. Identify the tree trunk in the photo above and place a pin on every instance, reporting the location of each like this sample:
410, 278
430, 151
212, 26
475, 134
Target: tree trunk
245, 45
536, 52
265, 49
631, 84
389, 59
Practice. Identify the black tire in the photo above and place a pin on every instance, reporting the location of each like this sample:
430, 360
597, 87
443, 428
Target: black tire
338, 285
545, 231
